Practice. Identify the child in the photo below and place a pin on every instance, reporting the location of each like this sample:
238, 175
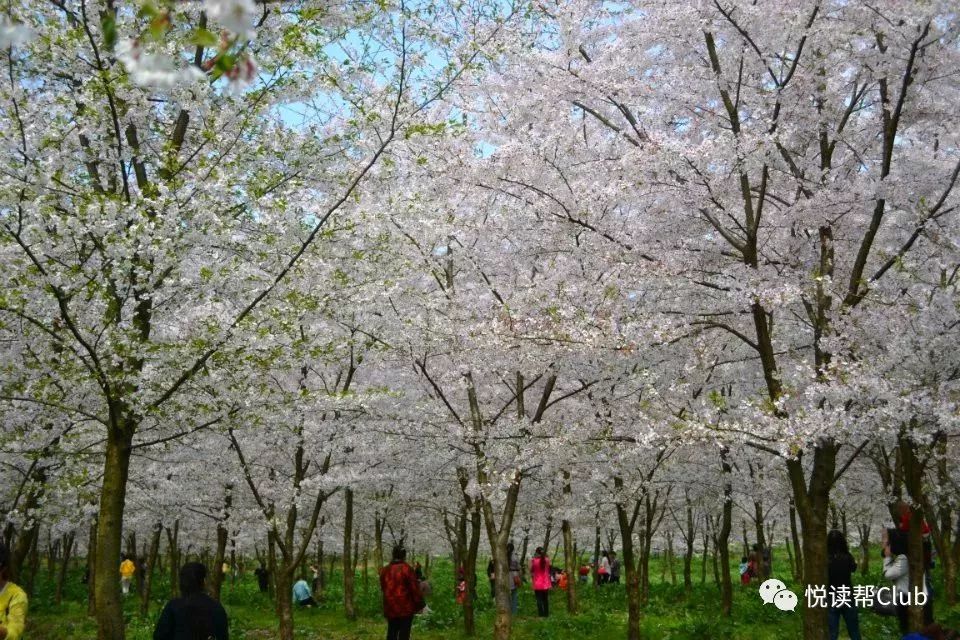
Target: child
744, 570
584, 573
461, 591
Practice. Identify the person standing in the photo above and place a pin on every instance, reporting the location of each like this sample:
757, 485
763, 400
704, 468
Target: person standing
315, 582
540, 579
127, 569
515, 580
840, 568
603, 571
194, 614
614, 568
263, 578
896, 569
13, 601
402, 598
492, 577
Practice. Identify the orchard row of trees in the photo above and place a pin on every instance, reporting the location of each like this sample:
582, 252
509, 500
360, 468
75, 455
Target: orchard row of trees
281, 277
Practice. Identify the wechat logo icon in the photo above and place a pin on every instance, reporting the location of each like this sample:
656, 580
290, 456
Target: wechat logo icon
775, 591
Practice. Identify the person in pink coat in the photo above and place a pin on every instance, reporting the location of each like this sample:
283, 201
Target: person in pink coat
540, 579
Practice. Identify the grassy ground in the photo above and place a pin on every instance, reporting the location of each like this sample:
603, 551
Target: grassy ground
668, 616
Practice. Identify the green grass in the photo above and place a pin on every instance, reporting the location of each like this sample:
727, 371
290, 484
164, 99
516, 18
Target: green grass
668, 616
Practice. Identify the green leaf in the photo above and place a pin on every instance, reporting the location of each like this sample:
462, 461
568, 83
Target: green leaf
108, 24
203, 38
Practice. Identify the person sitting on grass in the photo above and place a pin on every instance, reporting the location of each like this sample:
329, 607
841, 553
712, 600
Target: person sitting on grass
301, 593
194, 614
13, 601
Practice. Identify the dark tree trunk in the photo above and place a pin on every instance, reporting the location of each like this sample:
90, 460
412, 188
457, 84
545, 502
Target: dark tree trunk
91, 567
64, 565
689, 540
173, 551
113, 493
723, 539
797, 567
627, 522
152, 556
349, 608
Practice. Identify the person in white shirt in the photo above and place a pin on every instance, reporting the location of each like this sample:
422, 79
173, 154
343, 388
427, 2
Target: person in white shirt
896, 569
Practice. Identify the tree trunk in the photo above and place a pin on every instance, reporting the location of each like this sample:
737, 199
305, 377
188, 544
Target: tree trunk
216, 573
546, 536
91, 567
723, 539
797, 568
272, 567
596, 554
523, 554
116, 467
173, 550
570, 563
284, 597
626, 525
64, 565
53, 551
941, 529
321, 574
689, 539
646, 538
151, 565
706, 550
349, 609
670, 567
746, 542
913, 472
864, 530
34, 563
470, 573
20, 553
378, 525
763, 570
716, 554
812, 500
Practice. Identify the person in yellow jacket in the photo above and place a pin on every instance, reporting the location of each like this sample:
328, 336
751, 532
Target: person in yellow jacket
127, 569
13, 601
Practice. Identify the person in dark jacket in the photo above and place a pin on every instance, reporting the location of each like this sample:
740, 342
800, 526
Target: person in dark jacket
491, 576
194, 615
840, 568
401, 595
263, 578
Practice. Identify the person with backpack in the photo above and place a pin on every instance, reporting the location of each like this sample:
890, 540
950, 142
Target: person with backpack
13, 601
840, 568
194, 615
402, 598
540, 579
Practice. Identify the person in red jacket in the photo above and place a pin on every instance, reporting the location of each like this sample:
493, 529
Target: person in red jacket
540, 577
401, 595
